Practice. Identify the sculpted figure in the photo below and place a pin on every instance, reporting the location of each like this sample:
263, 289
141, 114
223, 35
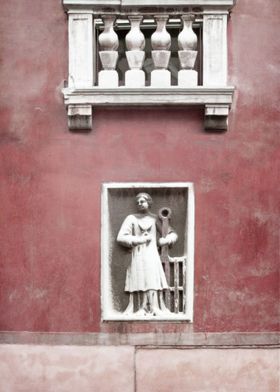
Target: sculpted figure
145, 274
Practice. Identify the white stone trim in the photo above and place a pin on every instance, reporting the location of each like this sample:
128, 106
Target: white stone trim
190, 230
217, 101
80, 37
106, 295
149, 96
214, 49
227, 4
107, 310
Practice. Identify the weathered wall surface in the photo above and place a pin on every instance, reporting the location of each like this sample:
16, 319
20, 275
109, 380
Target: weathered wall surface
74, 368
51, 180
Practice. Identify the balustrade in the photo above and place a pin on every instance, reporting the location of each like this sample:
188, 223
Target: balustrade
160, 53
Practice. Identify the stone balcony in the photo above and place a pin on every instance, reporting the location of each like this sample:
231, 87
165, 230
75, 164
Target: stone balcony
152, 36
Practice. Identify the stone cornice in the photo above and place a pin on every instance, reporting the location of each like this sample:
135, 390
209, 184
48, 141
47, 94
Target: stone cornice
149, 96
225, 340
144, 5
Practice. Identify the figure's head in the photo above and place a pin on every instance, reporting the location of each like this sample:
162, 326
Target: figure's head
143, 201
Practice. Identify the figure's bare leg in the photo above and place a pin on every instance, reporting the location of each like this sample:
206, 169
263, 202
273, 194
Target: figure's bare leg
138, 300
145, 301
142, 307
129, 308
162, 303
155, 309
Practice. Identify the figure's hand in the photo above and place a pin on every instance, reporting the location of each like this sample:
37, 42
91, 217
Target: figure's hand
148, 238
163, 241
145, 239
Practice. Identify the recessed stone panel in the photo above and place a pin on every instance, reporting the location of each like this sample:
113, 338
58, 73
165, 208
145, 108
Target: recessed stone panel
150, 280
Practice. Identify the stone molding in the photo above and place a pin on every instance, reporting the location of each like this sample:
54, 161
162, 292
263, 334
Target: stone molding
192, 340
217, 102
123, 5
123, 96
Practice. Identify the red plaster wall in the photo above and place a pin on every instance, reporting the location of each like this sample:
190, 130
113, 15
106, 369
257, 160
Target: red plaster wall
51, 179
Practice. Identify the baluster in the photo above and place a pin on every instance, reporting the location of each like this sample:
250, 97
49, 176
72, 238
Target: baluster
135, 43
187, 43
109, 43
161, 42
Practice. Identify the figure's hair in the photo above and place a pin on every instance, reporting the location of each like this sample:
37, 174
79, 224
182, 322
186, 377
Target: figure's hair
146, 196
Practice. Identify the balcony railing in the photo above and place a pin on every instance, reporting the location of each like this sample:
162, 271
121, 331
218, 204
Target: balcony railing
158, 55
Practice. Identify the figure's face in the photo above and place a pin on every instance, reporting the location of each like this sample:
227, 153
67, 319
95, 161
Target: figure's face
142, 204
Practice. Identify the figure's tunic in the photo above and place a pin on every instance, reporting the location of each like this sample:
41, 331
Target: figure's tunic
145, 271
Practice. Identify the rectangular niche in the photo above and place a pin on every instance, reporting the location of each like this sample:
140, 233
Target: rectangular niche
147, 281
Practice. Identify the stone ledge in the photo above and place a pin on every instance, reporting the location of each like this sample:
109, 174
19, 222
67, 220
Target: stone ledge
123, 96
216, 101
159, 340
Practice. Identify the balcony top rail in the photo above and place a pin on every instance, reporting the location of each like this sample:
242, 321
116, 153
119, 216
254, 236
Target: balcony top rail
145, 6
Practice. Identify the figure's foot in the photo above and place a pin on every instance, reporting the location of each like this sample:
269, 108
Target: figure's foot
141, 312
129, 310
157, 312
164, 309
162, 304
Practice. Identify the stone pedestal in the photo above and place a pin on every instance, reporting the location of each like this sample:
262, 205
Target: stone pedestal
108, 79
187, 78
160, 78
135, 78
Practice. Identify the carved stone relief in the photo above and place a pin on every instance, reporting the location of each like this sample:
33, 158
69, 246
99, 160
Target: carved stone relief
147, 251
